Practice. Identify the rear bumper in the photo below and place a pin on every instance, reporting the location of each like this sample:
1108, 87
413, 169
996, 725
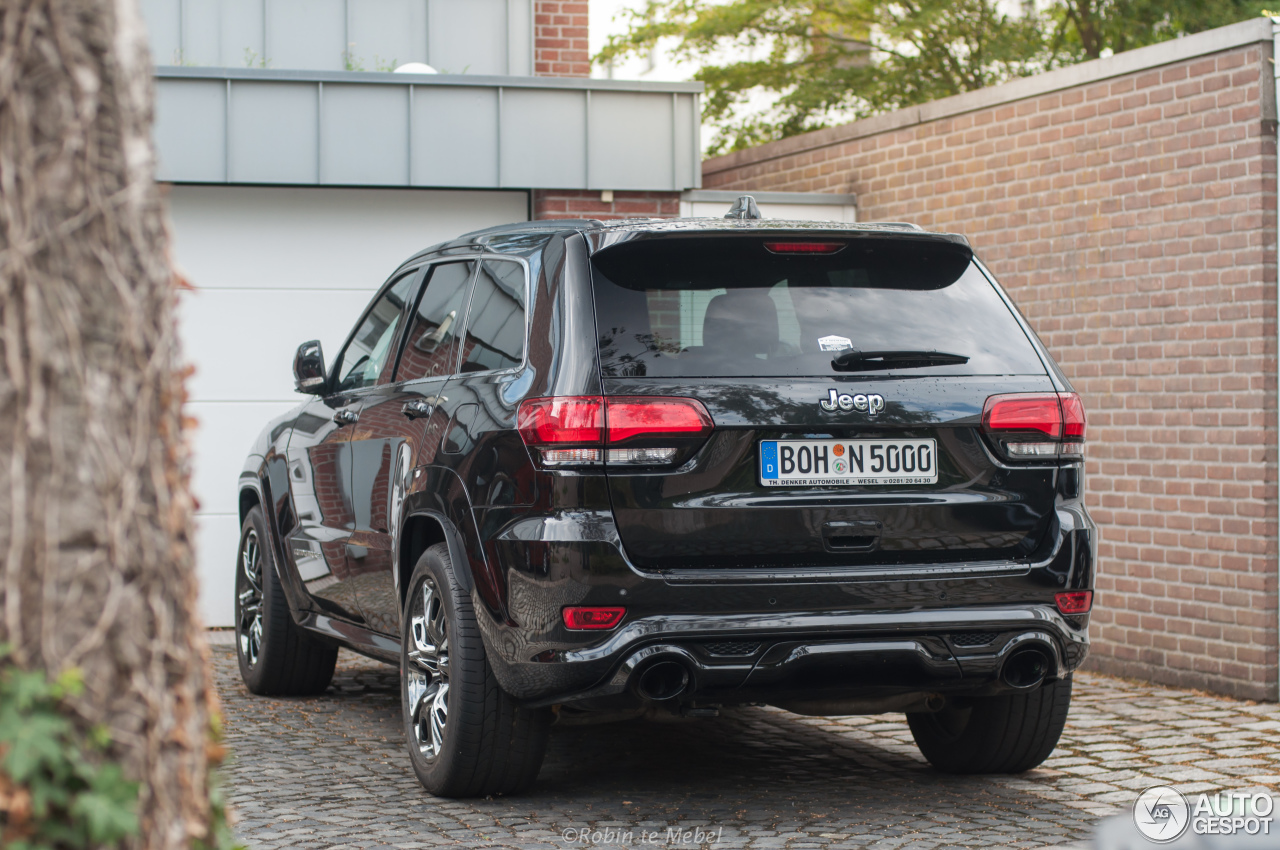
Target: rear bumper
815, 658
801, 636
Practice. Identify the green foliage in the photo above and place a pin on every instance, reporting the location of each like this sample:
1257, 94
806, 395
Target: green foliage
820, 61
57, 791
253, 60
350, 61
1087, 28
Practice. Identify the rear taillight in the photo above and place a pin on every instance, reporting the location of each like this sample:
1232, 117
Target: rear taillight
580, 617
629, 418
1074, 601
630, 430
1034, 426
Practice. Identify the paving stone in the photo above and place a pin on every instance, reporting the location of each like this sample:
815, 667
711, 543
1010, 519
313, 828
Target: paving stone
330, 772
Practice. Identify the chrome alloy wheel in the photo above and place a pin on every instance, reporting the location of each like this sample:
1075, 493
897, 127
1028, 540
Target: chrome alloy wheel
249, 599
427, 669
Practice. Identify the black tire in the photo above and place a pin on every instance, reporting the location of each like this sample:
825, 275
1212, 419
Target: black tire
488, 744
276, 658
1010, 733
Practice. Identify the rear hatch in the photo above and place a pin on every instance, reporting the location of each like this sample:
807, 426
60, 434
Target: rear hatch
845, 375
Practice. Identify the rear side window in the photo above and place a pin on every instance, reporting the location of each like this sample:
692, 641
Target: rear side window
431, 345
729, 306
495, 321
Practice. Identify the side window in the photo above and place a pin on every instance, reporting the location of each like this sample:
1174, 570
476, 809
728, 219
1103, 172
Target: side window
372, 349
495, 320
431, 345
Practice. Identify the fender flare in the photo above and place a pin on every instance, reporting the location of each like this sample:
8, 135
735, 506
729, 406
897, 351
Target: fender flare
255, 482
452, 538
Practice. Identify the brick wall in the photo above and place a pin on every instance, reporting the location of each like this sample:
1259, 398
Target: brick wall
560, 39
582, 203
1131, 215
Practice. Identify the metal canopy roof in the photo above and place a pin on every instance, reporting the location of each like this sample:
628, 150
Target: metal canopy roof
340, 128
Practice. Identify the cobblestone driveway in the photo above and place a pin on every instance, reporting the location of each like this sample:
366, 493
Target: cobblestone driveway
330, 771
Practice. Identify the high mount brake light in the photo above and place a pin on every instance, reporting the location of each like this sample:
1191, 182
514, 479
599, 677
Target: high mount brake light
580, 617
804, 247
572, 429
1074, 601
1036, 425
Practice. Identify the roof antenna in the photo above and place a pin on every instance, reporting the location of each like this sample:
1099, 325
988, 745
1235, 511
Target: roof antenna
744, 208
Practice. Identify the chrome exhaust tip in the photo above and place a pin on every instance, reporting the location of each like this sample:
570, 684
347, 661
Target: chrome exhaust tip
1026, 668
662, 680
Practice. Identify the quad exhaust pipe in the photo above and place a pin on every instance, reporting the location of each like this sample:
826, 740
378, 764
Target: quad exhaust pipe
662, 680
1026, 668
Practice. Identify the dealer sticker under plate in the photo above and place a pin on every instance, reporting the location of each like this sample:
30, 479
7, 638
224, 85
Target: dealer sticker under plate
790, 463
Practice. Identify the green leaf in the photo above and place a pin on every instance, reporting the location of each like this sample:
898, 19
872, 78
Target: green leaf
107, 818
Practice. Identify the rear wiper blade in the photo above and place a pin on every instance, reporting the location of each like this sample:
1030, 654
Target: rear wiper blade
874, 361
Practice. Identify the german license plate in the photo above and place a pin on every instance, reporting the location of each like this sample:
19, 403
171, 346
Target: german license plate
790, 463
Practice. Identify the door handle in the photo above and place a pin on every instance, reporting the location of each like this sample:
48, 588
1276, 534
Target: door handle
416, 409
346, 417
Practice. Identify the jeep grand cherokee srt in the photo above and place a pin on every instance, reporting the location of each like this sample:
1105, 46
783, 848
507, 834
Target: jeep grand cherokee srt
569, 470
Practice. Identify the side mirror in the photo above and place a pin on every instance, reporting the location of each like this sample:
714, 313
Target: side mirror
308, 368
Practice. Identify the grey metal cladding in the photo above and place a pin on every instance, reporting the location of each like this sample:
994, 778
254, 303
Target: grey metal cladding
273, 134
164, 22
687, 167
371, 129
306, 34
364, 135
544, 138
242, 33
190, 130
384, 34
520, 37
454, 136
631, 140
457, 36
469, 37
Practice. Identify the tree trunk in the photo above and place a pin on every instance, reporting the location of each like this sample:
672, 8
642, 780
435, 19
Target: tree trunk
95, 512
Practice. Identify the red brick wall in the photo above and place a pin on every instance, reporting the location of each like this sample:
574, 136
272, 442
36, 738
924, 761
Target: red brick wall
560, 47
1133, 221
581, 203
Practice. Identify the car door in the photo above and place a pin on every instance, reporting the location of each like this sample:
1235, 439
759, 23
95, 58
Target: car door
401, 422
321, 461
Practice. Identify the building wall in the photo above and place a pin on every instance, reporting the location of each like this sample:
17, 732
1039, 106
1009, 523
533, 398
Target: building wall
560, 37
1128, 205
574, 203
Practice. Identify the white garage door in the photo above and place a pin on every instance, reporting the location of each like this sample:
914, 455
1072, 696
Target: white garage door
274, 267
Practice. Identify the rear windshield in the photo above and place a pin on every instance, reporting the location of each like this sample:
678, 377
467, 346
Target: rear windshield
730, 306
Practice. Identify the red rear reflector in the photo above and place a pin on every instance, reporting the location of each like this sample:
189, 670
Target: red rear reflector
1024, 412
592, 618
1072, 417
804, 247
642, 416
564, 419
1074, 601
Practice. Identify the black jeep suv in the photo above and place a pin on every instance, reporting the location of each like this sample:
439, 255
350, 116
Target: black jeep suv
571, 470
